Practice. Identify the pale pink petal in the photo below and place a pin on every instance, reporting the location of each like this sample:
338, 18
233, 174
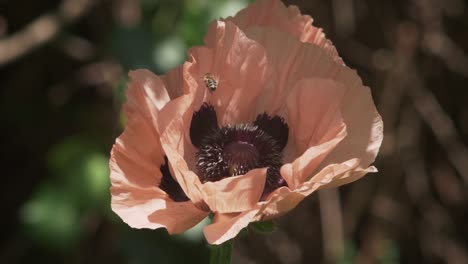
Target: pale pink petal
315, 127
136, 159
302, 168
134, 205
235, 194
348, 177
285, 199
135, 176
146, 95
364, 127
174, 82
227, 226
152, 208
313, 111
174, 123
178, 217
279, 202
241, 70
302, 60
136, 156
306, 61
274, 14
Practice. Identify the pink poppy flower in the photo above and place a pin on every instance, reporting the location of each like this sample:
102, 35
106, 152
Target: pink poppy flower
278, 117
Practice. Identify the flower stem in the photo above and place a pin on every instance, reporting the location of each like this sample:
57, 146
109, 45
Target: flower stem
221, 254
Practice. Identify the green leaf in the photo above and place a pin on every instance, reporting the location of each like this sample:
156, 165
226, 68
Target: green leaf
264, 227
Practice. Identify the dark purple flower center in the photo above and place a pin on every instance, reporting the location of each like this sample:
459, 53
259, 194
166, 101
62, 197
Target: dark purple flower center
235, 150
240, 156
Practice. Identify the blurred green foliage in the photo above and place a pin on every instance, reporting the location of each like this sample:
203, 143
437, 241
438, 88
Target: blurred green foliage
390, 253
79, 182
349, 253
263, 227
168, 30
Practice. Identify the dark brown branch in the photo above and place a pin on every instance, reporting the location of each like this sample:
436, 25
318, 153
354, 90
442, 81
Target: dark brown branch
42, 30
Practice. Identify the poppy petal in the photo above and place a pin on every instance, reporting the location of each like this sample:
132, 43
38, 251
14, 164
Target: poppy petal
227, 226
274, 14
241, 67
364, 127
235, 194
316, 127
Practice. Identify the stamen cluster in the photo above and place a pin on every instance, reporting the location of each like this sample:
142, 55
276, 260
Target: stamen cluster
236, 149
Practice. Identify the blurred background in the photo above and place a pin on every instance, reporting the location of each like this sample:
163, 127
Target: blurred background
63, 68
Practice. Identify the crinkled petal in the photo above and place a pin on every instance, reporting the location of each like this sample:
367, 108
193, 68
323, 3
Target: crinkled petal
280, 202
301, 169
240, 67
364, 124
178, 217
364, 127
302, 60
227, 226
137, 156
152, 208
146, 95
274, 14
316, 127
235, 194
349, 176
174, 123
174, 81
285, 199
136, 161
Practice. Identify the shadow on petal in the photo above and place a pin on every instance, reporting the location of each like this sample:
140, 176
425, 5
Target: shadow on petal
177, 217
227, 226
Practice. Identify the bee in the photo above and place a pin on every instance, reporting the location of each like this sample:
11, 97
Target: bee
210, 82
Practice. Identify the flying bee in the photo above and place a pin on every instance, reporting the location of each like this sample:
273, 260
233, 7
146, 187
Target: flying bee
210, 82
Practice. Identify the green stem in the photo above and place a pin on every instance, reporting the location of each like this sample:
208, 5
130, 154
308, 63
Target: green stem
221, 254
